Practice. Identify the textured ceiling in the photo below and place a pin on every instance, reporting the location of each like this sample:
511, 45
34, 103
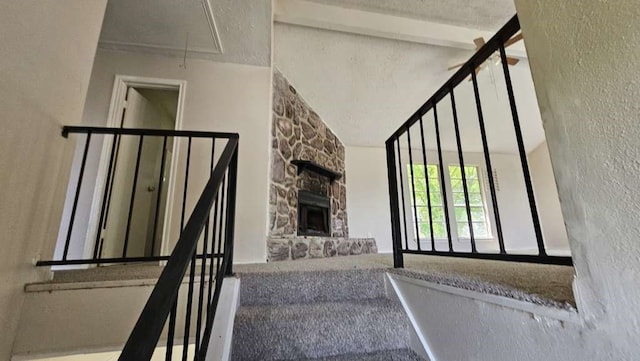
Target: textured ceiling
161, 26
476, 14
365, 87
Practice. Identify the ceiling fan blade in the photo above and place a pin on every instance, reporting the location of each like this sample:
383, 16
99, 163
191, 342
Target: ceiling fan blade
513, 40
479, 42
512, 60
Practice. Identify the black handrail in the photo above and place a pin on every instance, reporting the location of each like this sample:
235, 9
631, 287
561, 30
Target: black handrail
68, 129
395, 165
144, 338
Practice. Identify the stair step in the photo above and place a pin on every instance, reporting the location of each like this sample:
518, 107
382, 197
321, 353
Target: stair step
316, 330
279, 288
386, 355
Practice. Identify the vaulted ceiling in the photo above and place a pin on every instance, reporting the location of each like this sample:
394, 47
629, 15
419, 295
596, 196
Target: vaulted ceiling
475, 14
365, 83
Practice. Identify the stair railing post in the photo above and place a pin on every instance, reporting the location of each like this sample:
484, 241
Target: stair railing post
398, 260
231, 210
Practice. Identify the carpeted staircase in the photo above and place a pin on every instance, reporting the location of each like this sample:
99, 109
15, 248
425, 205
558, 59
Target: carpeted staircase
334, 315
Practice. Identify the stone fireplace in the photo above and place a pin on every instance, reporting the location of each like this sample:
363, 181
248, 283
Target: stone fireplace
307, 198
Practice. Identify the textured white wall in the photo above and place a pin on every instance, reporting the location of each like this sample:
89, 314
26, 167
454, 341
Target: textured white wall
47, 52
219, 97
584, 59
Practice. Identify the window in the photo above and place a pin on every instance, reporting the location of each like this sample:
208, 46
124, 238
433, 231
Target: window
456, 203
422, 202
476, 202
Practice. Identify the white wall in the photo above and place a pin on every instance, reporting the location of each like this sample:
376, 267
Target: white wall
102, 314
544, 185
219, 97
584, 60
368, 199
47, 52
458, 327
368, 195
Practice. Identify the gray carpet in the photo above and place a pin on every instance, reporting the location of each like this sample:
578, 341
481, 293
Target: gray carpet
546, 285
335, 314
269, 288
388, 355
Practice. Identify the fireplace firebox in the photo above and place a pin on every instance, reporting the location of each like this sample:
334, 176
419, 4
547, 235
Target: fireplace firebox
313, 214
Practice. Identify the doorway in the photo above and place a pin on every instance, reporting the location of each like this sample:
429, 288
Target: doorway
137, 220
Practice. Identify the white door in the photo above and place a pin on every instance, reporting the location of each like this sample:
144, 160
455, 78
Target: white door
133, 218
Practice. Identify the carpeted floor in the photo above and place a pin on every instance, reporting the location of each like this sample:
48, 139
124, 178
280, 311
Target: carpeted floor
541, 284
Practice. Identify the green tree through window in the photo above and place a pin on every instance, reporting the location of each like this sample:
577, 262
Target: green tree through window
421, 206
476, 202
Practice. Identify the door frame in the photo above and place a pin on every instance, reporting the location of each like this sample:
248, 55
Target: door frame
116, 107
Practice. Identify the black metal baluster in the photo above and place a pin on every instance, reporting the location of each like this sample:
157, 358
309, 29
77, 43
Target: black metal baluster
220, 224
105, 195
187, 319
213, 233
442, 178
462, 172
186, 184
213, 269
113, 176
426, 181
404, 211
203, 270
158, 196
487, 157
413, 188
523, 154
133, 197
232, 187
398, 261
171, 331
76, 197
223, 213
185, 342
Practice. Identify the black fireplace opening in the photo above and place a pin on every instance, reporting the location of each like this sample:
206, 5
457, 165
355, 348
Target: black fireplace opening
313, 214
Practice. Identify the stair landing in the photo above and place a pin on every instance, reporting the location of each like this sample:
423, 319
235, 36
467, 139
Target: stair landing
546, 285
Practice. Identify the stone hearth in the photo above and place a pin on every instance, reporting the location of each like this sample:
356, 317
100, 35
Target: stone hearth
281, 249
